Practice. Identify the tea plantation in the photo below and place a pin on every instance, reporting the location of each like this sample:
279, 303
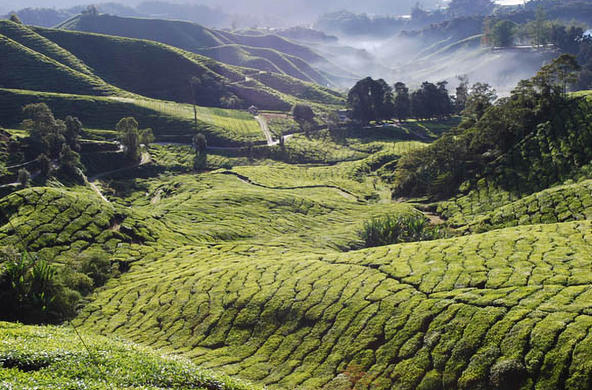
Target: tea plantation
365, 255
255, 272
55, 358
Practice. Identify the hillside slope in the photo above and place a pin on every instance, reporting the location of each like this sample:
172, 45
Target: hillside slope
248, 275
25, 68
58, 358
91, 64
130, 62
169, 121
270, 51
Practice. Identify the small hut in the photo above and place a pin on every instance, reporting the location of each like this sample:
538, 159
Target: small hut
253, 110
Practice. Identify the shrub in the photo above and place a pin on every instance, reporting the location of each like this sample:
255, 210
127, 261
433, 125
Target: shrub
97, 266
395, 229
508, 374
24, 177
31, 292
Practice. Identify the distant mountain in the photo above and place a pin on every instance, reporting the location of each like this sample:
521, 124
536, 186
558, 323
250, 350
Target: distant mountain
49, 17
62, 61
264, 52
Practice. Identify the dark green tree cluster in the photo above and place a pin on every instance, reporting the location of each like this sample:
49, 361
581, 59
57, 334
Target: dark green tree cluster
35, 291
526, 142
431, 101
54, 143
304, 116
371, 100
374, 100
131, 137
200, 145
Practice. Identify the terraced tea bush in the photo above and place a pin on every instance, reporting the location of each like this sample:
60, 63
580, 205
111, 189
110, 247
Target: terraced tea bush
402, 228
55, 358
488, 208
565, 203
413, 315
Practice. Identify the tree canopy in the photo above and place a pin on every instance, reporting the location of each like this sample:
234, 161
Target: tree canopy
371, 100
129, 136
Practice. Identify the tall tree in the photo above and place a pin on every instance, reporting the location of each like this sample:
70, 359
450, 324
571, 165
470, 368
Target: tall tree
557, 76
445, 106
431, 101
72, 132
360, 101
502, 33
46, 134
384, 100
371, 100
129, 137
402, 105
303, 114
540, 33
480, 98
200, 145
462, 93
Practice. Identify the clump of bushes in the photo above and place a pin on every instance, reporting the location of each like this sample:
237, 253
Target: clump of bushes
508, 374
394, 229
35, 291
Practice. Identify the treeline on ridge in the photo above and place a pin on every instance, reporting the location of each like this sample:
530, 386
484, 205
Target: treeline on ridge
537, 137
375, 100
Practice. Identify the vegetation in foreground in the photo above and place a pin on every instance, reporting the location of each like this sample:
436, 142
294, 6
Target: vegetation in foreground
253, 267
55, 357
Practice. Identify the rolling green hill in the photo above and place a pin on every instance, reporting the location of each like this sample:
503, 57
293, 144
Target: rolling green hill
56, 358
103, 79
258, 266
24, 68
265, 52
61, 61
253, 281
169, 121
132, 61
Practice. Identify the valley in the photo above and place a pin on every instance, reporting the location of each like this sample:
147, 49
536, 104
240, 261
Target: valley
188, 207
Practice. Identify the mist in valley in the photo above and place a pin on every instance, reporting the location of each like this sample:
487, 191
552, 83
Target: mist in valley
414, 61
378, 41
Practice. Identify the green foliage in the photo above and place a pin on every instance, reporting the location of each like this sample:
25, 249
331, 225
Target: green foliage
502, 33
23, 177
50, 138
371, 100
303, 114
395, 229
55, 358
487, 208
97, 266
146, 136
200, 145
31, 292
129, 136
525, 143
480, 97
402, 103
508, 374
431, 101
